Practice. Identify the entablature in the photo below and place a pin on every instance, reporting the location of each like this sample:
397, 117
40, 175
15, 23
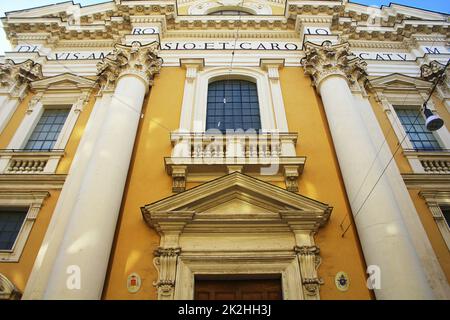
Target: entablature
114, 19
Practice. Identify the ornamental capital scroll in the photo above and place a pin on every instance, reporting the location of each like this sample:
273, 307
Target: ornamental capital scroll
432, 71
309, 259
15, 78
327, 59
138, 60
165, 262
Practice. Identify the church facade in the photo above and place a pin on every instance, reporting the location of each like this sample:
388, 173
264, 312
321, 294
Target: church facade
233, 149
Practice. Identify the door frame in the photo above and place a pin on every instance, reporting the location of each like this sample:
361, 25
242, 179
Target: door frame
242, 263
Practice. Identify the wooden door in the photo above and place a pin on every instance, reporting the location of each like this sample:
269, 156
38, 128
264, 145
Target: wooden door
264, 289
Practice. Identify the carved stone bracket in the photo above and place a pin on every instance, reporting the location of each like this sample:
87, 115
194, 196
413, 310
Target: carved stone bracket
165, 262
179, 174
141, 61
15, 78
84, 98
34, 101
309, 259
291, 178
327, 59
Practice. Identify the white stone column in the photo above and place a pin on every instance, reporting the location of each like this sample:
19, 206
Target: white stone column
384, 238
14, 85
89, 221
37, 282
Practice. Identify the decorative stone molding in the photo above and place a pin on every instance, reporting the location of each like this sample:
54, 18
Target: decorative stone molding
435, 199
15, 78
208, 7
327, 59
434, 72
34, 101
138, 60
82, 100
431, 71
309, 260
8, 290
165, 262
235, 207
24, 198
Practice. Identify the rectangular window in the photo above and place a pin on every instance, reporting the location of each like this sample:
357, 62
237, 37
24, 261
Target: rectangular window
11, 221
233, 104
47, 130
414, 125
446, 213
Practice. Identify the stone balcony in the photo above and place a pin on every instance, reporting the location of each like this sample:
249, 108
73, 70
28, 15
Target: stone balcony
432, 162
29, 162
200, 157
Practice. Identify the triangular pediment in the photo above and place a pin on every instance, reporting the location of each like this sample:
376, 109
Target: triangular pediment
237, 198
400, 81
237, 206
66, 81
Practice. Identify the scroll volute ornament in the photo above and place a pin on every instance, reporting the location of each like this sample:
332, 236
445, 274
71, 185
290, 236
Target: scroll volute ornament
139, 60
328, 59
16, 77
431, 71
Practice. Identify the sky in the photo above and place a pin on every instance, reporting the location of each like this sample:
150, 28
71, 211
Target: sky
12, 5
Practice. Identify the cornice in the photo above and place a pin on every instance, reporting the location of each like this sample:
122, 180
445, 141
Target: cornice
397, 32
427, 181
377, 44
114, 19
214, 34
108, 44
38, 182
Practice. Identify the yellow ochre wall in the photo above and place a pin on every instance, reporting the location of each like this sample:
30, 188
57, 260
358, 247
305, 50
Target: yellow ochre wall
148, 182
425, 215
18, 272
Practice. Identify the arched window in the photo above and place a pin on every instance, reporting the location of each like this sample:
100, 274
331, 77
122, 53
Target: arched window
233, 104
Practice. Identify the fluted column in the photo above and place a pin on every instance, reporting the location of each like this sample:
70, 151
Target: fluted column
89, 212
384, 238
14, 85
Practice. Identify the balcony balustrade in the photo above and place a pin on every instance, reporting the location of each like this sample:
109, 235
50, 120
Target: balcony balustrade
29, 162
199, 157
433, 162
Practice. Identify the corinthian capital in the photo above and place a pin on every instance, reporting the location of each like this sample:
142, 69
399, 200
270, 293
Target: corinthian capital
141, 61
327, 59
15, 78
